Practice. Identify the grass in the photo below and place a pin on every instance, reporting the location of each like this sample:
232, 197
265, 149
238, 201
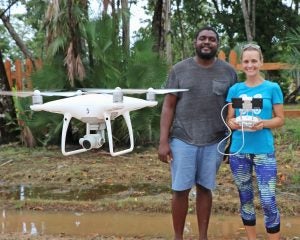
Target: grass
289, 134
292, 106
287, 140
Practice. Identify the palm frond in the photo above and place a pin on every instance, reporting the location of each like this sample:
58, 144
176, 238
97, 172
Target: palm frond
58, 44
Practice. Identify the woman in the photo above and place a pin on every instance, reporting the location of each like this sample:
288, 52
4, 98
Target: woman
253, 147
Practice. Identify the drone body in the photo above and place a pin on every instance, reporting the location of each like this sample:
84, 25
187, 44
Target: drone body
91, 108
96, 108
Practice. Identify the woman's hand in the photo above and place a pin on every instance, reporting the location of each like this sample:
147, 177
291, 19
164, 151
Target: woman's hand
233, 124
258, 126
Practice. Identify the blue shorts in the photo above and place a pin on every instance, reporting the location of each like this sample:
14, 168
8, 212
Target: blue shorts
194, 165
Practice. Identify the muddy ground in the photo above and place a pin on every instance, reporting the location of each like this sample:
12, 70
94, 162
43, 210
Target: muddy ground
95, 181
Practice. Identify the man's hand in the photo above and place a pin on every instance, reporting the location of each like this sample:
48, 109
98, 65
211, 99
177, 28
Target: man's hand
165, 153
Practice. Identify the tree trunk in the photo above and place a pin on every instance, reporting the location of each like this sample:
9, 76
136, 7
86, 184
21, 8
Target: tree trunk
6, 105
182, 39
115, 17
161, 29
253, 19
125, 27
157, 26
167, 31
246, 14
73, 58
105, 6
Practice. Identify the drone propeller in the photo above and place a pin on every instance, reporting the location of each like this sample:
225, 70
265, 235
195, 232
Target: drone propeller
37, 96
132, 90
118, 92
88, 90
165, 91
39, 93
17, 94
63, 94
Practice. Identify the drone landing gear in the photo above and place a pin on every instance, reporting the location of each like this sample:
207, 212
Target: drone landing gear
110, 138
88, 142
96, 140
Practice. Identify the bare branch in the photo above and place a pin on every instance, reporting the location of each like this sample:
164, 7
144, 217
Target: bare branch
16, 37
9, 6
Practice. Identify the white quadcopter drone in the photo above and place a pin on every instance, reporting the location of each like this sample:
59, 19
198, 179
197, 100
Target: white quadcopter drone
95, 107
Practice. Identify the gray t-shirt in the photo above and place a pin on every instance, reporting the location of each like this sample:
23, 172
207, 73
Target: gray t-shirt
197, 117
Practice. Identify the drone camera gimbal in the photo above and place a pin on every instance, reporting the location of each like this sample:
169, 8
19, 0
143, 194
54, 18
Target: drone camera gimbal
90, 141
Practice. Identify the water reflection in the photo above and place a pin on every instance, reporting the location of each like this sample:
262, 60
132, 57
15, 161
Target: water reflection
128, 224
22, 192
117, 191
33, 230
24, 228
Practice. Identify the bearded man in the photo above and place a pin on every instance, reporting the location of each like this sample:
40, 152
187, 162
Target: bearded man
191, 127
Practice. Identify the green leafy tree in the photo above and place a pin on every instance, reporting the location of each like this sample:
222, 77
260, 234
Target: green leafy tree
187, 17
144, 69
289, 51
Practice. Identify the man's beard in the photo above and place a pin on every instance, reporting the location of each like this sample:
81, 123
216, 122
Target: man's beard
206, 56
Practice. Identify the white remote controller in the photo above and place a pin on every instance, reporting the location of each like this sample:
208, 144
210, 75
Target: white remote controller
247, 121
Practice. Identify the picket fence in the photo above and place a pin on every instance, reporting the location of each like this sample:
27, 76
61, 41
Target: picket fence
19, 72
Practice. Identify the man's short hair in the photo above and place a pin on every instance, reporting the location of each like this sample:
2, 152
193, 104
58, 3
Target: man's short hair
209, 28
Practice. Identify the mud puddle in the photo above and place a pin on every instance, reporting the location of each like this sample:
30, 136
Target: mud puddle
128, 224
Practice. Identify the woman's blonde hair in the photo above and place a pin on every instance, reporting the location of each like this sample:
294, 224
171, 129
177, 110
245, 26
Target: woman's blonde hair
252, 46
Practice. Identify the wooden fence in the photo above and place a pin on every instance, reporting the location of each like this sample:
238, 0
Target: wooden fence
19, 73
233, 60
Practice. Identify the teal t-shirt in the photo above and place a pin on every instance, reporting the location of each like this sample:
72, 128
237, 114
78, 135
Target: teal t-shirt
262, 141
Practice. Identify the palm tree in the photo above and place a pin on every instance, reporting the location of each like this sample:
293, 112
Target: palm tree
292, 56
64, 34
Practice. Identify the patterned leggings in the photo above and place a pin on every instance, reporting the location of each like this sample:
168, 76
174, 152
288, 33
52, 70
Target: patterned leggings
266, 170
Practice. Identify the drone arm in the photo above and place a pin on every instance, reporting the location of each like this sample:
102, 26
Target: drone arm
109, 133
67, 119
